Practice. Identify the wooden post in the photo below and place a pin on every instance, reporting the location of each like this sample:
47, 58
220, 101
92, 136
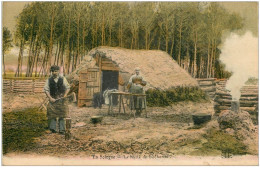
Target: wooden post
109, 107
100, 71
111, 102
123, 104
67, 128
120, 101
132, 105
145, 106
33, 86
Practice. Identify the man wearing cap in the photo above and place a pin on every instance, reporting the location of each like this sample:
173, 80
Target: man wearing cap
56, 88
136, 85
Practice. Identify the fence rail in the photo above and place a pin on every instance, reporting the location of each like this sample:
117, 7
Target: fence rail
23, 86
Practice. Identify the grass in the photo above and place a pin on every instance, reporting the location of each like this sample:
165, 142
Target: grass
21, 128
220, 141
159, 98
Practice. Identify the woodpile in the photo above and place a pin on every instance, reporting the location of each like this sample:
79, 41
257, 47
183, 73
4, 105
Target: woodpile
248, 100
208, 86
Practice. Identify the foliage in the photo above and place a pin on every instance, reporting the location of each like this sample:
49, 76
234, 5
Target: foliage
62, 33
219, 140
252, 81
20, 128
7, 43
7, 39
162, 98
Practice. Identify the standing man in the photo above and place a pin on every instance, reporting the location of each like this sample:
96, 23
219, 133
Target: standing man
136, 85
56, 89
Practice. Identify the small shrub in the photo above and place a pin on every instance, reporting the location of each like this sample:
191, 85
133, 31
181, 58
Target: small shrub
156, 97
219, 140
20, 128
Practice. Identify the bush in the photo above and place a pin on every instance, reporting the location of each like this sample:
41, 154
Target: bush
219, 140
156, 97
20, 129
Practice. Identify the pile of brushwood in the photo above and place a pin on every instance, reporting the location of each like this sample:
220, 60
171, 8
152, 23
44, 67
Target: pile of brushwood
161, 98
20, 128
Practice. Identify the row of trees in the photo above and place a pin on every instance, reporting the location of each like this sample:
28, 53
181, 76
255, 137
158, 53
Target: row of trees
62, 33
6, 44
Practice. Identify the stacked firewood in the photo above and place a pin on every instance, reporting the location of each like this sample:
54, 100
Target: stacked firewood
248, 100
208, 86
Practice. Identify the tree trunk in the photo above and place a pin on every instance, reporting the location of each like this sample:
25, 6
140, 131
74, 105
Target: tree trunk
201, 67
67, 62
103, 30
20, 60
83, 40
166, 36
4, 63
207, 75
180, 40
78, 52
96, 38
136, 39
132, 41
29, 60
110, 32
214, 58
195, 55
211, 59
37, 60
56, 54
159, 43
146, 40
51, 38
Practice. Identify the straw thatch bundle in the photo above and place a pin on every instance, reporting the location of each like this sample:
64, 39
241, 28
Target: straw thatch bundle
157, 67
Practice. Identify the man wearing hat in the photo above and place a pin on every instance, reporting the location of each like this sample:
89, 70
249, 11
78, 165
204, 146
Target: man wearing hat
136, 85
56, 88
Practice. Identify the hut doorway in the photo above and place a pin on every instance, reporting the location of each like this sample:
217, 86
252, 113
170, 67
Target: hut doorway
110, 81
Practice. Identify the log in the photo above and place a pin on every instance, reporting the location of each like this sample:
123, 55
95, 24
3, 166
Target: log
206, 79
249, 94
211, 93
225, 102
223, 107
242, 98
248, 109
206, 83
209, 89
221, 93
106, 62
110, 68
248, 98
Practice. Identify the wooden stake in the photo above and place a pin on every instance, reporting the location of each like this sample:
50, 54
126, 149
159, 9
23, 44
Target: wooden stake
67, 128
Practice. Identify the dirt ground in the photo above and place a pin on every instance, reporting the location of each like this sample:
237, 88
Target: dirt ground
166, 133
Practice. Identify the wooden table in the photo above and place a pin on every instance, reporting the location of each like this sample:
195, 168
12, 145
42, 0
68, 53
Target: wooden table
121, 102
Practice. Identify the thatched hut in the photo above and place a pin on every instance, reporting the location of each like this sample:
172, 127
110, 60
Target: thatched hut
111, 67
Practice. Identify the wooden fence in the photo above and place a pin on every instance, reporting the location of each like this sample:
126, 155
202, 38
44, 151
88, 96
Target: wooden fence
27, 86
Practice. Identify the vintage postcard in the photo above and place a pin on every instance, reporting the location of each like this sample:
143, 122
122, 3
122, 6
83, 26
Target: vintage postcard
130, 83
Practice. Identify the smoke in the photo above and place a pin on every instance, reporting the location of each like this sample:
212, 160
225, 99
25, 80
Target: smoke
240, 55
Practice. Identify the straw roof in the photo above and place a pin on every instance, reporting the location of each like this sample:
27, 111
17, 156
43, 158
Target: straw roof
157, 67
